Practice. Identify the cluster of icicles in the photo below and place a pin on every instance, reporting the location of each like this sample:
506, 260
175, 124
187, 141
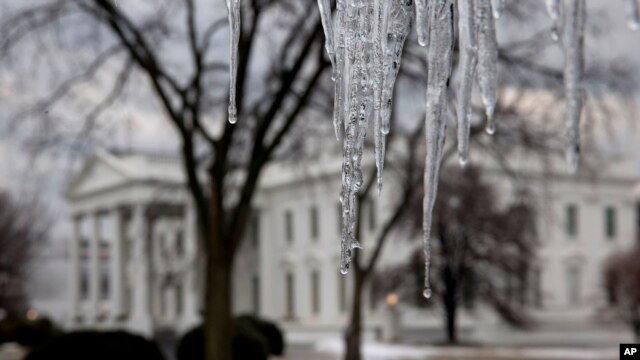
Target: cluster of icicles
364, 41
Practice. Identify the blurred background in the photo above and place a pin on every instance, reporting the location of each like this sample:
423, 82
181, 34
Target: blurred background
132, 212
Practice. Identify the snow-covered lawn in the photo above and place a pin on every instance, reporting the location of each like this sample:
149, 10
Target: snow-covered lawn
379, 351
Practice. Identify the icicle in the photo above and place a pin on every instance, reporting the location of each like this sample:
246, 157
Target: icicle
422, 24
394, 32
325, 15
439, 71
487, 60
553, 8
634, 14
339, 67
358, 106
468, 62
498, 8
234, 24
573, 42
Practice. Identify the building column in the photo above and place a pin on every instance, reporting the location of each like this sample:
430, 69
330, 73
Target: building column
74, 272
140, 320
117, 263
191, 241
94, 269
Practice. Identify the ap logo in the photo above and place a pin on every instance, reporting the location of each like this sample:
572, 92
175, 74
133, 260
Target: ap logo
629, 351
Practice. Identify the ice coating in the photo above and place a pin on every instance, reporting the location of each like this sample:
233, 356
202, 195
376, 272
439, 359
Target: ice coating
487, 59
573, 43
468, 61
234, 25
441, 17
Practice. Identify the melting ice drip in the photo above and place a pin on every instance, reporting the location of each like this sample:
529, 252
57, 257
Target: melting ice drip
364, 41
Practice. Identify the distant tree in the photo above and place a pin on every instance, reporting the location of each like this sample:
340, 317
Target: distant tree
20, 230
621, 277
482, 253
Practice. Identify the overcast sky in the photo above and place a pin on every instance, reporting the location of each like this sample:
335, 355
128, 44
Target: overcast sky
47, 174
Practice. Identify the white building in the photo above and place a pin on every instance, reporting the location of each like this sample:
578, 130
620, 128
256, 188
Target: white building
135, 258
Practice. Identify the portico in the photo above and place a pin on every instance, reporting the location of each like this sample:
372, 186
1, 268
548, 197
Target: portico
134, 252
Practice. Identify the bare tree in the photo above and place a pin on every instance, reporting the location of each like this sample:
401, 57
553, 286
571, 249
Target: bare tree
270, 103
621, 276
482, 253
20, 232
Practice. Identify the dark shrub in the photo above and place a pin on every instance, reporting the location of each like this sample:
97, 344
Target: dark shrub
83, 345
27, 333
271, 331
253, 339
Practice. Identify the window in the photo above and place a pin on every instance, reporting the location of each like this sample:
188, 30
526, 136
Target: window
256, 294
288, 225
84, 285
255, 227
342, 292
572, 220
314, 223
291, 309
104, 284
371, 205
573, 285
315, 292
536, 287
179, 244
610, 222
179, 299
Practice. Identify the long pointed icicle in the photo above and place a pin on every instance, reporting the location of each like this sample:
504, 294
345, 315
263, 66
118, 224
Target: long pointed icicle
487, 60
553, 8
573, 41
358, 107
422, 23
468, 61
234, 24
394, 34
498, 8
634, 14
325, 15
439, 72
339, 67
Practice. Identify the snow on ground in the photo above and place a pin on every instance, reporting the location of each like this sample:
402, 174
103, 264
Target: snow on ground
380, 351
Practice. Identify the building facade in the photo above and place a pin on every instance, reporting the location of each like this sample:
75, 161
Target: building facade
136, 261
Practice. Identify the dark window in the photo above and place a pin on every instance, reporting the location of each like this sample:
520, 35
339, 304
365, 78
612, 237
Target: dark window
314, 223
179, 299
291, 307
610, 222
104, 285
572, 220
84, 284
255, 227
179, 244
315, 292
288, 225
371, 205
256, 294
536, 280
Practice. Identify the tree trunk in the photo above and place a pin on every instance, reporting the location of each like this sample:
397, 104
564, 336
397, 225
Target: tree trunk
218, 325
450, 304
353, 336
